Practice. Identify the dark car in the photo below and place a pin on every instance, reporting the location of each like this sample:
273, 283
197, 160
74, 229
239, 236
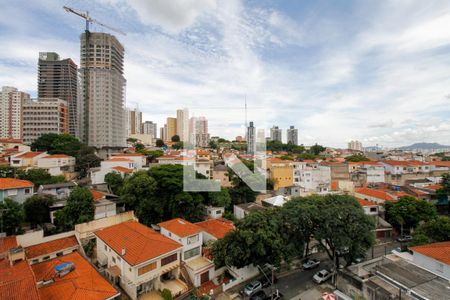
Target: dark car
259, 295
404, 239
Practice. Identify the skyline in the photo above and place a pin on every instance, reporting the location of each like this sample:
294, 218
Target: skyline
378, 74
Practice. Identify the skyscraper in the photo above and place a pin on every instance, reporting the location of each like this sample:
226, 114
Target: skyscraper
355, 145
102, 91
251, 139
150, 128
292, 135
183, 124
134, 121
42, 116
58, 78
171, 128
198, 127
276, 134
11, 101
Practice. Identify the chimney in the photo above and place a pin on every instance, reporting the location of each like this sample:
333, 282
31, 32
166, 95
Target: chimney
16, 254
123, 251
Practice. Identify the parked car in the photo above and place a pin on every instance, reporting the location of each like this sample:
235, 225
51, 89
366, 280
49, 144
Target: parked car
251, 288
311, 264
321, 276
404, 239
277, 296
259, 295
267, 281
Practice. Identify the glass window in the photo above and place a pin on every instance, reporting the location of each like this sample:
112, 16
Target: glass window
169, 259
192, 239
191, 253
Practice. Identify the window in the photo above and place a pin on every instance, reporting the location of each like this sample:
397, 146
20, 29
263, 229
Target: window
191, 253
373, 209
12, 192
106, 248
35, 261
27, 191
169, 259
192, 239
114, 259
59, 254
118, 258
147, 268
46, 258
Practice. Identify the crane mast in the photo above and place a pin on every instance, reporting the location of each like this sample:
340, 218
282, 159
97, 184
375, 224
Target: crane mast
89, 20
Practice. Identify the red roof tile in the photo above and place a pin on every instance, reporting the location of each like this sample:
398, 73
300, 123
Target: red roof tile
180, 227
12, 183
17, 282
364, 202
438, 251
29, 154
405, 162
119, 159
57, 156
140, 242
8, 140
441, 163
7, 243
127, 154
51, 247
216, 227
97, 195
84, 282
374, 193
122, 169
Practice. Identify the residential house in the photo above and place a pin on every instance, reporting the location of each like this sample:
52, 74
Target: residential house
280, 172
433, 257
139, 159
139, 259
59, 190
220, 174
120, 165
57, 164
312, 177
26, 160
51, 249
16, 189
214, 229
241, 210
398, 171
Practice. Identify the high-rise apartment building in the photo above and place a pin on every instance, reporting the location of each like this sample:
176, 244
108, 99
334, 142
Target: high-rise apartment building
170, 128
134, 118
42, 116
102, 91
183, 124
198, 127
58, 78
11, 101
162, 133
276, 134
355, 145
150, 128
251, 139
292, 135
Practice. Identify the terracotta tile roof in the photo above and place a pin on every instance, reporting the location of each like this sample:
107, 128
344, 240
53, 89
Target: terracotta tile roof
438, 251
122, 169
434, 187
119, 159
441, 163
127, 154
51, 247
17, 282
380, 194
97, 195
57, 156
401, 194
419, 192
334, 185
8, 140
140, 242
364, 202
216, 227
84, 282
29, 154
12, 183
7, 243
405, 163
180, 227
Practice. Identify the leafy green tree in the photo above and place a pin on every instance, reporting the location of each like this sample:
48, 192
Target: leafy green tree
409, 212
175, 138
138, 188
221, 198
114, 181
187, 206
317, 149
7, 172
39, 177
12, 216
79, 208
37, 209
356, 158
65, 144
131, 140
160, 143
306, 156
44, 142
343, 230
241, 192
256, 240
178, 145
212, 145
432, 231
86, 159
139, 147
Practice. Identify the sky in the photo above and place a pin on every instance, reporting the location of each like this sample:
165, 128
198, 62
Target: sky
375, 71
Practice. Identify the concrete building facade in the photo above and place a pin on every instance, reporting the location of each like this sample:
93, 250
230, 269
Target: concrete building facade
11, 101
292, 135
276, 134
250, 137
150, 128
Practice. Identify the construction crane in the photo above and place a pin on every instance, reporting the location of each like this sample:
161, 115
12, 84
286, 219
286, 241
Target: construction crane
89, 20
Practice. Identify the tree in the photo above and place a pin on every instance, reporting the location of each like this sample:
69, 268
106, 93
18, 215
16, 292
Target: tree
160, 143
37, 209
435, 230
44, 142
409, 212
65, 144
356, 158
256, 240
343, 229
241, 192
131, 140
139, 147
187, 206
114, 181
212, 145
175, 138
40, 176
11, 217
178, 145
86, 159
7, 172
221, 198
79, 208
137, 188
317, 149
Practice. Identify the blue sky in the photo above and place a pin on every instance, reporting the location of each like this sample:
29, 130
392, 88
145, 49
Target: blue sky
376, 71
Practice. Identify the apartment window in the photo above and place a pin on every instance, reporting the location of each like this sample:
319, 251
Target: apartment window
191, 253
146, 269
114, 259
192, 239
169, 259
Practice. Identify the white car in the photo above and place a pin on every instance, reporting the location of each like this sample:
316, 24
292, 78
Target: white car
311, 264
251, 288
321, 276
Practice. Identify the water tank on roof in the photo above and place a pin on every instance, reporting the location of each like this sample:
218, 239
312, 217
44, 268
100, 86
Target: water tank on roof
65, 268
